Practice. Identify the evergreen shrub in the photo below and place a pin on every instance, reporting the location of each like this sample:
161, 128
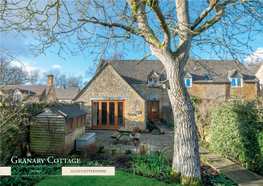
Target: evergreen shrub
236, 132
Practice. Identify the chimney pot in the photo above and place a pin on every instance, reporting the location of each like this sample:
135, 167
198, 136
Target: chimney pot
50, 80
63, 87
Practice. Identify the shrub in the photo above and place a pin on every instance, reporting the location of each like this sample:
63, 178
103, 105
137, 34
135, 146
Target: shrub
195, 100
202, 118
235, 132
90, 149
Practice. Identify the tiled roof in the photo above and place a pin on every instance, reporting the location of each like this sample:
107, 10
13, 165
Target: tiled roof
67, 93
218, 70
68, 112
34, 89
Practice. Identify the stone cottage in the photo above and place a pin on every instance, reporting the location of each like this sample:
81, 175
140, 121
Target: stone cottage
259, 75
123, 93
25, 93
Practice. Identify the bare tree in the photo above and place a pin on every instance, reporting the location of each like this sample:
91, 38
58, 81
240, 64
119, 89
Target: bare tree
169, 29
116, 56
11, 74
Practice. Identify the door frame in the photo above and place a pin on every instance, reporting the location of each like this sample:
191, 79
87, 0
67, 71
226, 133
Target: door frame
149, 116
100, 126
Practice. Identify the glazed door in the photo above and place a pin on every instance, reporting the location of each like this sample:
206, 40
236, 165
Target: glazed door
153, 110
107, 114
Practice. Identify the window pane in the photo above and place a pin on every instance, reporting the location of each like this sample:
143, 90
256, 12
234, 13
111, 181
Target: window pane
155, 82
239, 82
188, 82
112, 113
120, 113
95, 114
150, 82
233, 84
104, 113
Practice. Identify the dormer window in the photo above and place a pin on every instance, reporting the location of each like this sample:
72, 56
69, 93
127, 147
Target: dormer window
188, 82
153, 82
17, 97
237, 82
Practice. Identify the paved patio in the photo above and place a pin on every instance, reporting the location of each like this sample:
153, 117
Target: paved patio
233, 171
157, 142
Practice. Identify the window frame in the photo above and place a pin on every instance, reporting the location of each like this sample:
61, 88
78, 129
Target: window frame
236, 83
185, 79
152, 84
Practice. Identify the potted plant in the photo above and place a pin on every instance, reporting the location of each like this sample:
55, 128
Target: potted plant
128, 151
113, 150
162, 131
101, 148
147, 130
155, 132
143, 147
136, 130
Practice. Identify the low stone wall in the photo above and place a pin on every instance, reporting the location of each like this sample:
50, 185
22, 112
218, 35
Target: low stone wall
168, 114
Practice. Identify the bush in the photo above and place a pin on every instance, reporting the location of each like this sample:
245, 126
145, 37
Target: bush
235, 132
90, 149
195, 100
202, 118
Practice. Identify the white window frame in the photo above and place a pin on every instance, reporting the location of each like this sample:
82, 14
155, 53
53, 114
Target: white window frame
241, 79
152, 83
185, 79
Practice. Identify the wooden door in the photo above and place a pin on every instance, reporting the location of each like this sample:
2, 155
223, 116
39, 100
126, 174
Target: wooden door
152, 109
108, 114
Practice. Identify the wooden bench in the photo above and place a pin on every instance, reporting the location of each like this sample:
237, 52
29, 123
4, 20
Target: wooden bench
137, 136
115, 135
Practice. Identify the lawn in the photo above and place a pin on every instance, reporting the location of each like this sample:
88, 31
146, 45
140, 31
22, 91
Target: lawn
120, 178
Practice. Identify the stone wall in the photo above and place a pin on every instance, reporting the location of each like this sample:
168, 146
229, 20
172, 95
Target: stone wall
154, 93
249, 90
221, 91
168, 114
109, 85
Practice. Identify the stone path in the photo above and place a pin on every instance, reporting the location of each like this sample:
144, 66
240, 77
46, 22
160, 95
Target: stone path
165, 142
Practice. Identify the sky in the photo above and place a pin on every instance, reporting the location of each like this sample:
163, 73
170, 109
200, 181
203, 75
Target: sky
77, 65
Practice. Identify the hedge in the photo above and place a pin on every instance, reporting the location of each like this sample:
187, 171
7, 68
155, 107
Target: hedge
236, 132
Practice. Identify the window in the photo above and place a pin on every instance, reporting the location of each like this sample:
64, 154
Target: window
207, 77
236, 82
188, 82
0, 98
17, 97
153, 82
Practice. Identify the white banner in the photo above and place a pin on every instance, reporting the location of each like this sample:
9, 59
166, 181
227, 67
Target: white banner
88, 171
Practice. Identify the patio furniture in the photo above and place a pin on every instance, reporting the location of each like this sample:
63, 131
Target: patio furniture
126, 131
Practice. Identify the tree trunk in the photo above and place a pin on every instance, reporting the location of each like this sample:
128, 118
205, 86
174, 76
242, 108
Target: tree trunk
186, 150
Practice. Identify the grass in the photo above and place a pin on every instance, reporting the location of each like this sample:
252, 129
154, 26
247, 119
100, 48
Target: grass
120, 178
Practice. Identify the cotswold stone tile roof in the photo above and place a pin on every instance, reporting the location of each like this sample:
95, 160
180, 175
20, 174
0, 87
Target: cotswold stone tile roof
67, 93
68, 112
133, 73
34, 89
218, 70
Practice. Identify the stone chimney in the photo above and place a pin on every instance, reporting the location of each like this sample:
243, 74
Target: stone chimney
63, 87
50, 80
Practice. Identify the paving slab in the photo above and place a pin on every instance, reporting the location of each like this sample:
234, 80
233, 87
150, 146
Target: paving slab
231, 170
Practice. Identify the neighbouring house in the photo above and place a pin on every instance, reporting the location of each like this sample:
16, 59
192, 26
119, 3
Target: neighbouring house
57, 129
123, 93
259, 75
28, 93
66, 94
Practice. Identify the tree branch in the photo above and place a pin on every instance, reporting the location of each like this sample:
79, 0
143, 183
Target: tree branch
204, 14
220, 12
163, 25
144, 58
110, 25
